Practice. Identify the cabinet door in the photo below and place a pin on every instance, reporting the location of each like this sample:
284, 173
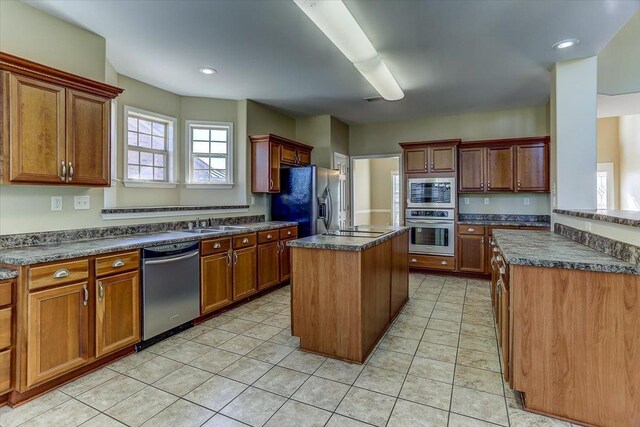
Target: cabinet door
58, 331
268, 264
415, 160
499, 169
117, 312
275, 151
532, 168
87, 138
244, 273
399, 272
471, 253
216, 287
304, 157
289, 155
471, 170
442, 159
36, 131
285, 260
504, 329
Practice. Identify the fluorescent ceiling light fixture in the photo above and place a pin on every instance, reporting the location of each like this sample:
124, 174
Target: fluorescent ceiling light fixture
336, 22
208, 71
566, 43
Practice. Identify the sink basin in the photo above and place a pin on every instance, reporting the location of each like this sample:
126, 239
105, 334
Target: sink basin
201, 230
214, 228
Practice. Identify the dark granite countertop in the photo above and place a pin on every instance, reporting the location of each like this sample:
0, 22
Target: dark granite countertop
547, 249
341, 243
630, 218
7, 273
75, 249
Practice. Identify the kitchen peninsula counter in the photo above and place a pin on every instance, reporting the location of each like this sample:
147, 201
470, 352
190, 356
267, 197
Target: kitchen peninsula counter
347, 290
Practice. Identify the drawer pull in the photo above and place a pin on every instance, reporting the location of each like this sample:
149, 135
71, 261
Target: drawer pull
471, 230
413, 260
289, 233
100, 291
245, 240
216, 246
444, 262
502, 270
118, 263
62, 273
269, 236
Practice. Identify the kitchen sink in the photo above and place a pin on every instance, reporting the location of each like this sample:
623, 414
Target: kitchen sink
214, 228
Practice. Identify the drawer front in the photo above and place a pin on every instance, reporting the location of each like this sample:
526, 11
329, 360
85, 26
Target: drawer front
215, 246
244, 241
5, 328
58, 274
268, 236
470, 229
289, 232
5, 293
117, 263
5, 371
432, 261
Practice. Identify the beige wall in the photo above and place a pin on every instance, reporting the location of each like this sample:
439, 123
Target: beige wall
316, 131
630, 162
505, 204
372, 190
362, 197
619, 61
608, 151
339, 137
383, 138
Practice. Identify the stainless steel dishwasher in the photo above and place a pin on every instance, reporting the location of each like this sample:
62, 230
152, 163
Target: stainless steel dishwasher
170, 287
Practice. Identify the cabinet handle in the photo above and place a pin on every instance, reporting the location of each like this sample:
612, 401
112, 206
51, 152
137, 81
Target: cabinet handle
488, 185
518, 183
444, 262
100, 291
413, 260
229, 258
482, 186
216, 246
482, 241
495, 250
289, 233
431, 165
118, 263
245, 240
281, 247
271, 184
70, 171
269, 236
471, 230
86, 295
426, 166
502, 270
63, 272
63, 177
235, 257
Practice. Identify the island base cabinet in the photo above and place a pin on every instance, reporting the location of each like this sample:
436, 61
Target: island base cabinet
575, 344
399, 276
58, 332
117, 312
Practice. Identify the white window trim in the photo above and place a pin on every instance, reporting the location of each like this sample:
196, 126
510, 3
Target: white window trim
187, 158
171, 148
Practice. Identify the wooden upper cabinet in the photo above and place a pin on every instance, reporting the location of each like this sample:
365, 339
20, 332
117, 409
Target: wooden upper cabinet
499, 169
216, 287
58, 331
36, 149
532, 167
268, 154
437, 157
415, 160
471, 170
117, 312
87, 138
56, 124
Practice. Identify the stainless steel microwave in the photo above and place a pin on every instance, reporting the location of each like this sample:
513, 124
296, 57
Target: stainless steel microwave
431, 193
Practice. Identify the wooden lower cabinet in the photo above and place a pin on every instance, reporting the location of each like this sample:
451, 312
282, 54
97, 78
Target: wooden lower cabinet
58, 331
244, 273
5, 371
117, 312
471, 253
399, 277
268, 265
216, 287
285, 260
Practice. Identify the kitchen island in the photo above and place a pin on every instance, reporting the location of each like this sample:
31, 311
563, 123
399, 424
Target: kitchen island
347, 288
568, 321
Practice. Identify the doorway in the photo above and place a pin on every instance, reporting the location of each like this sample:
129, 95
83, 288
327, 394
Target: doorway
376, 190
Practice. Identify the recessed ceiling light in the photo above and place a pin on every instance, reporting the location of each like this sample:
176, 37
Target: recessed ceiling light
563, 44
208, 71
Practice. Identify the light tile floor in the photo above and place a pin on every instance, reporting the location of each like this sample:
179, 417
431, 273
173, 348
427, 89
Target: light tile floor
437, 365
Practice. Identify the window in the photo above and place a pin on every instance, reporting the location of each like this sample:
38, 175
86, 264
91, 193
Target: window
209, 154
395, 198
602, 190
149, 149
605, 186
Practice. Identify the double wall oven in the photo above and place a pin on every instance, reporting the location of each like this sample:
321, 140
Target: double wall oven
432, 231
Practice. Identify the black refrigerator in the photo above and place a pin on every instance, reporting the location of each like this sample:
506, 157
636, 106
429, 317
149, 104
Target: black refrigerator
310, 196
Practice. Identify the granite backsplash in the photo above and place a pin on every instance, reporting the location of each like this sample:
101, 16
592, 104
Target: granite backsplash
623, 251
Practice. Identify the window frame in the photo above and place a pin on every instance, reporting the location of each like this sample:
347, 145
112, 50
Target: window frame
188, 166
395, 174
607, 168
172, 124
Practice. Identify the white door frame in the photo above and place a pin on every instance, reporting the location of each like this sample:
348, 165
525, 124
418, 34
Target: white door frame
377, 156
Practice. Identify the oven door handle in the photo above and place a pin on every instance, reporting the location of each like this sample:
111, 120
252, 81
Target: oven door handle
431, 222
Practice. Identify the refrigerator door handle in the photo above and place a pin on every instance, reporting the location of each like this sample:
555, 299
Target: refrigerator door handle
329, 219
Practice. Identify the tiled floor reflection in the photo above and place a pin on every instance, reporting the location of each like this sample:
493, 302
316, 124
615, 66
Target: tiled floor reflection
438, 365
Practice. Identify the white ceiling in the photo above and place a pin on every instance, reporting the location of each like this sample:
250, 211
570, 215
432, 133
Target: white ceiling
448, 56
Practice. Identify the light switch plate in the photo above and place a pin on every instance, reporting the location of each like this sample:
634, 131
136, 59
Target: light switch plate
527, 202
56, 203
486, 200
587, 225
466, 200
81, 202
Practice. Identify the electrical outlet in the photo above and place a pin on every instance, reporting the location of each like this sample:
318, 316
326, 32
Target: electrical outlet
587, 225
527, 202
553, 188
253, 200
466, 200
486, 200
56, 203
81, 202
